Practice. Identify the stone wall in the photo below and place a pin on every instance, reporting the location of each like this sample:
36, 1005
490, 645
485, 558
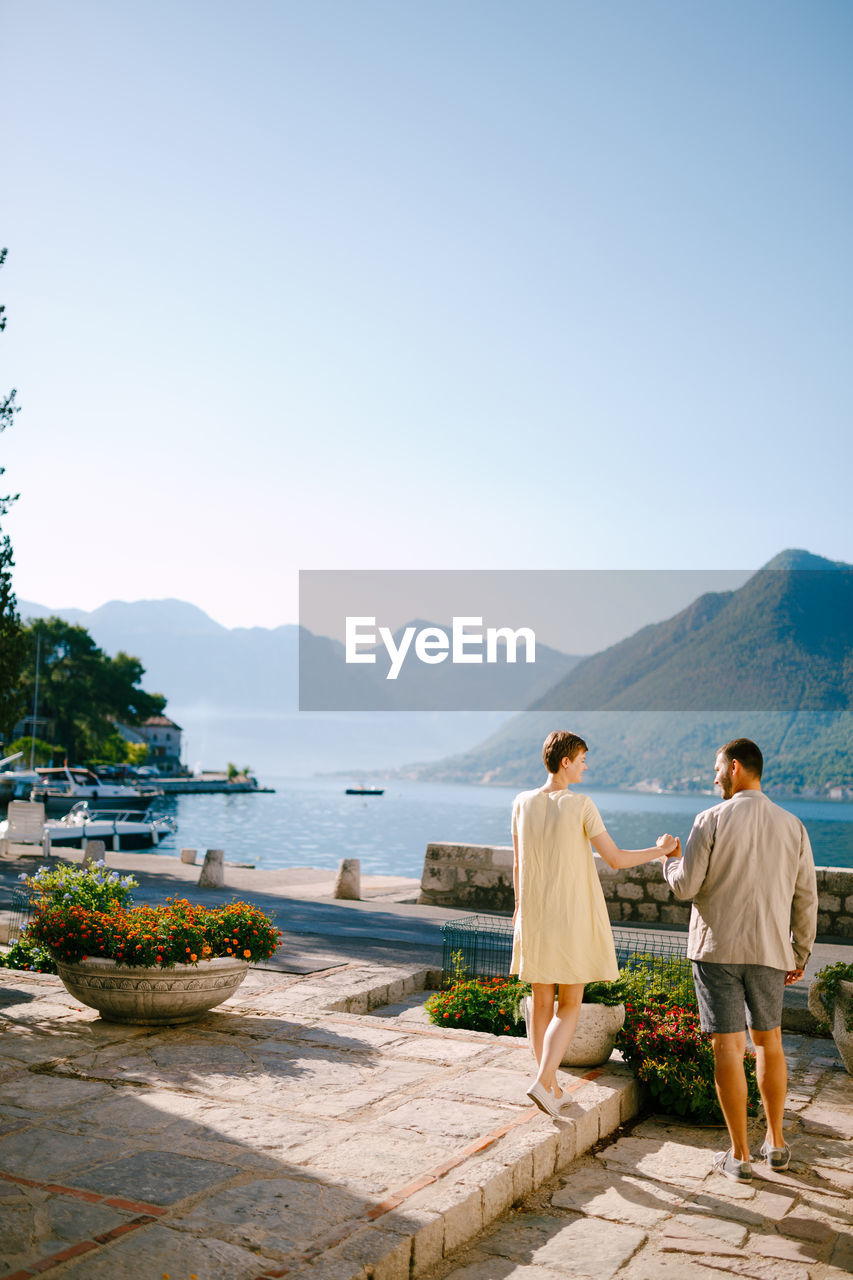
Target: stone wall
476, 877
479, 878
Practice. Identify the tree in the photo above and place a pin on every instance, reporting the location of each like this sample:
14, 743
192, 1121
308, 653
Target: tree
12, 649
83, 691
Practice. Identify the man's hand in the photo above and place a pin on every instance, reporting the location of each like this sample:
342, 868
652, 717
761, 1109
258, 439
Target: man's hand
793, 975
670, 847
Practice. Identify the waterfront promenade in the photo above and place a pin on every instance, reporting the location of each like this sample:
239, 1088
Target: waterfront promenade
317, 1126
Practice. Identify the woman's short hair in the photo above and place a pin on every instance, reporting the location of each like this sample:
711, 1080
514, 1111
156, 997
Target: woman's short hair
558, 745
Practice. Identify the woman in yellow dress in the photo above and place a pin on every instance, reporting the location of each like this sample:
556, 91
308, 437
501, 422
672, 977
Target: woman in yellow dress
561, 932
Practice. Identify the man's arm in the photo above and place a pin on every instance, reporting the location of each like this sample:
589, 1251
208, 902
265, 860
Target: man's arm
685, 875
804, 905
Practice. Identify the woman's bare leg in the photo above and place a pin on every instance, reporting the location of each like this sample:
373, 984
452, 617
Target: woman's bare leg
558, 1035
541, 1013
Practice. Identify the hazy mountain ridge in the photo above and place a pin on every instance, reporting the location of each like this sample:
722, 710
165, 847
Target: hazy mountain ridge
772, 661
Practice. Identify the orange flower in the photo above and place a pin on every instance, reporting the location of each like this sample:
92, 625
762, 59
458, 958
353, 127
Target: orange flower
193, 957
247, 953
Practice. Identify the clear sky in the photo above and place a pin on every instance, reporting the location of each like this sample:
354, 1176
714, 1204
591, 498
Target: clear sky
344, 284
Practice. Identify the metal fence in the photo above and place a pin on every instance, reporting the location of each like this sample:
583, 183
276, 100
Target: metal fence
19, 915
481, 947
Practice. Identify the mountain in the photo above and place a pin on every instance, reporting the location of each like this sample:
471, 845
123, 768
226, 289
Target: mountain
781, 642
772, 661
235, 692
191, 659
328, 683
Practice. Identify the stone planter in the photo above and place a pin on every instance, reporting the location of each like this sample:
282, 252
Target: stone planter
148, 996
595, 1035
843, 1006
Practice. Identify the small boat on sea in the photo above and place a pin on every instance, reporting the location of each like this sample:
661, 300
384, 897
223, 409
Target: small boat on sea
60, 789
365, 791
120, 830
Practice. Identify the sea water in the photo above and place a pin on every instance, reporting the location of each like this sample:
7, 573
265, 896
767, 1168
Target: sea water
313, 823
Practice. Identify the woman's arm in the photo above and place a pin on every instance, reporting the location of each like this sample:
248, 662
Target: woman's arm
619, 859
515, 873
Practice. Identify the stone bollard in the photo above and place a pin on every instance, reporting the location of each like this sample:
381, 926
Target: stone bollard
348, 880
213, 872
188, 855
94, 851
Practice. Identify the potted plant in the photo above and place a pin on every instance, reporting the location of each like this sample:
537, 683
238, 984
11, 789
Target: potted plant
602, 1014
831, 1001
145, 965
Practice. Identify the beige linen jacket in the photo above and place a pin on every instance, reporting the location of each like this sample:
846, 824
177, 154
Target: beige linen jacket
749, 869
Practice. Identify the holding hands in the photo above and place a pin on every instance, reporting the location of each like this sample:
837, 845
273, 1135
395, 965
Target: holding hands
670, 847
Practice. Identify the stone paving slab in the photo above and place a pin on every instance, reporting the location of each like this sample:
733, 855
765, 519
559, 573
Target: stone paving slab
291, 1132
645, 1204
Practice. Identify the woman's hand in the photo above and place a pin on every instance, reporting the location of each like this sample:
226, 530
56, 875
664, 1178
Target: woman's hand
670, 847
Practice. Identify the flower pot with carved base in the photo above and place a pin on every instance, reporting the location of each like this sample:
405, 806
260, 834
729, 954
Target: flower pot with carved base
840, 1018
150, 997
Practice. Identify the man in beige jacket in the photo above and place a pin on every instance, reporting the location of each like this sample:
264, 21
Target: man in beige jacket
749, 870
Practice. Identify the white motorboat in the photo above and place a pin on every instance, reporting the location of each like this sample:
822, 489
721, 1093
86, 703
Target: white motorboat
121, 830
59, 789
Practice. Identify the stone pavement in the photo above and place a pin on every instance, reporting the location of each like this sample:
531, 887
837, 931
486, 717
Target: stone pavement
290, 1132
319, 1127
648, 1207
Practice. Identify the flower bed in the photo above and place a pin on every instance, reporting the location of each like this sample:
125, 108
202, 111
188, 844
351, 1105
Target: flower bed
480, 1004
178, 933
674, 1060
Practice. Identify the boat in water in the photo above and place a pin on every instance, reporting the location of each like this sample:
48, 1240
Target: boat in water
365, 791
120, 830
59, 789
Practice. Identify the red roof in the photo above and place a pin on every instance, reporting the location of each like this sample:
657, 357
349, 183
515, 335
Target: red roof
159, 722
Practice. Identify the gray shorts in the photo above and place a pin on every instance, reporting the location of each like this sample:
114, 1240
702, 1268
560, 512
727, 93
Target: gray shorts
724, 990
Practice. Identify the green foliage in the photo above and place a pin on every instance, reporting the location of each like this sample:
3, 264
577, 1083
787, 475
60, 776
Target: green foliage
646, 976
178, 933
82, 690
95, 887
609, 993
480, 1004
828, 980
135, 753
27, 954
44, 752
233, 771
674, 1060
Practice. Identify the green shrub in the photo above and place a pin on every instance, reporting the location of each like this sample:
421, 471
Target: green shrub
93, 887
27, 954
646, 976
480, 1004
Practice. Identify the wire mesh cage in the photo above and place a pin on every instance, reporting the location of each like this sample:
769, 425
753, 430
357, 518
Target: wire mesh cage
655, 963
19, 914
655, 959
476, 946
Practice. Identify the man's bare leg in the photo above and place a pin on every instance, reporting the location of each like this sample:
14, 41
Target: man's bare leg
771, 1070
730, 1080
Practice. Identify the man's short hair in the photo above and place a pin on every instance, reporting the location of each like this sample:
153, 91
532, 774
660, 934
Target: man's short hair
558, 745
747, 754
